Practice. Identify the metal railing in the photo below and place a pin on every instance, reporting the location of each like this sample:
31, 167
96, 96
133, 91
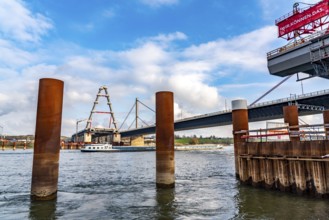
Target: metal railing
294, 44
289, 99
299, 10
314, 132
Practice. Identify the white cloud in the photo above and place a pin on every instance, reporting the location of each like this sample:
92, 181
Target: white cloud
19, 23
5, 100
137, 72
6, 73
38, 71
76, 96
157, 3
191, 91
87, 27
153, 64
86, 66
148, 53
167, 38
14, 57
273, 9
109, 13
246, 51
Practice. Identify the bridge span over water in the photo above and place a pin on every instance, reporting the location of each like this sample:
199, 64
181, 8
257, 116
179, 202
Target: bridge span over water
308, 104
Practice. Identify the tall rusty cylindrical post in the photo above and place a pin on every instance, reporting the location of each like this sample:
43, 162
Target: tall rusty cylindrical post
165, 152
239, 122
326, 121
47, 140
290, 114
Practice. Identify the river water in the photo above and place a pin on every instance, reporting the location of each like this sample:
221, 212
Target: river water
122, 186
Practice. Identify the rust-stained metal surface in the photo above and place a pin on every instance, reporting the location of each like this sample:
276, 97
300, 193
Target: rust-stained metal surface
165, 157
239, 122
295, 166
302, 173
290, 115
47, 140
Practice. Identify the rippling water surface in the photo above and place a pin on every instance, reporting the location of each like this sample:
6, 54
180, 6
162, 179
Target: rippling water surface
122, 186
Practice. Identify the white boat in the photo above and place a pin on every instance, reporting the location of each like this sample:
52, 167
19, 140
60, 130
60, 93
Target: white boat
96, 148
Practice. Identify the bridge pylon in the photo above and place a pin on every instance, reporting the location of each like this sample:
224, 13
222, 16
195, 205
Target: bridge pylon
112, 118
89, 130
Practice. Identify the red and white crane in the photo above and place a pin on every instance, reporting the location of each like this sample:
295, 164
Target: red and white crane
303, 21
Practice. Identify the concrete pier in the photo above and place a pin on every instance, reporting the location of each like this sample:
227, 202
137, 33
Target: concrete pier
298, 165
47, 140
165, 154
137, 141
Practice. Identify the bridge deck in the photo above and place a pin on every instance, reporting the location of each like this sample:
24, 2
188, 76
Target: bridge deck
260, 112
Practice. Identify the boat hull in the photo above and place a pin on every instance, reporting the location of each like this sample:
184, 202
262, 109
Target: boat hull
97, 148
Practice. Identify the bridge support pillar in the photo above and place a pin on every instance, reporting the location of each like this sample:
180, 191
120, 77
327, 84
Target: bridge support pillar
165, 153
137, 141
239, 122
116, 139
326, 121
47, 140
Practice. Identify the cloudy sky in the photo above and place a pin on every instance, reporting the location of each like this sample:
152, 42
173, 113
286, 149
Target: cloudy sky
208, 52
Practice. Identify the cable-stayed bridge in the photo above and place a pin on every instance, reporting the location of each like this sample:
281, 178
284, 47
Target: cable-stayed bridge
308, 104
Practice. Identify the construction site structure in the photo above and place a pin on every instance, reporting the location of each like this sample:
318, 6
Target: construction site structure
99, 134
293, 156
308, 47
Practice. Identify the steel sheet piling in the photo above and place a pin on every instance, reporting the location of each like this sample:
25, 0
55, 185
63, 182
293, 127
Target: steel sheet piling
165, 157
47, 140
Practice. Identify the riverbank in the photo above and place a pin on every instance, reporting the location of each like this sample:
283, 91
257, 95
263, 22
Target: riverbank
181, 141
